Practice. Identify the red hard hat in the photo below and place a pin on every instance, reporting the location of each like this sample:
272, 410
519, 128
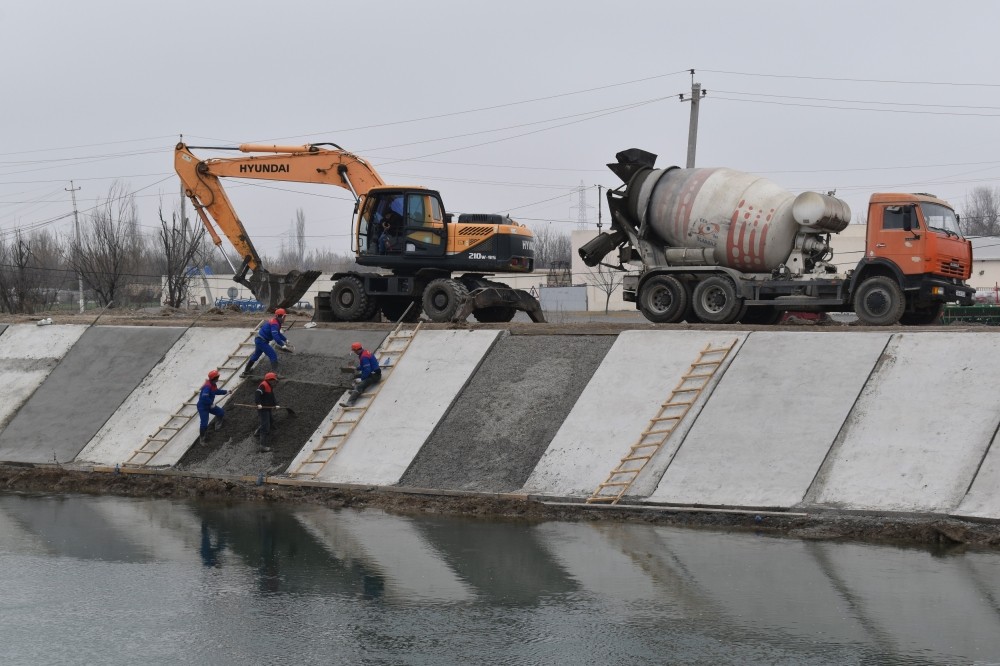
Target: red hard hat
213, 374
356, 346
270, 377
280, 312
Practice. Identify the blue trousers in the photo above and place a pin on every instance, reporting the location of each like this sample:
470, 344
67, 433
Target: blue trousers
203, 413
262, 346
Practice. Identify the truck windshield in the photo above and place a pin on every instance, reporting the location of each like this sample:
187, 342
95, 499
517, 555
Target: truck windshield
940, 218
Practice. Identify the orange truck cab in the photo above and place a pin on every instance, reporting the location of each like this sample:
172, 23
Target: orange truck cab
915, 240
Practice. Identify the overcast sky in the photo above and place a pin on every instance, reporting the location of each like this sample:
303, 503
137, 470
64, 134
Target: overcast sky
504, 107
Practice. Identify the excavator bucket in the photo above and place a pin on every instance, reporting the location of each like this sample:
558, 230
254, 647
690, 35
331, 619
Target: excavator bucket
280, 291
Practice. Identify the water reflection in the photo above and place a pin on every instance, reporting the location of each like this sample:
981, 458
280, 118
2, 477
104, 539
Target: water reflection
238, 583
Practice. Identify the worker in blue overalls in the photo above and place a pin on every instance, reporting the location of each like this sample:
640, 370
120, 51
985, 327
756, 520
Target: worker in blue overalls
270, 331
367, 374
206, 404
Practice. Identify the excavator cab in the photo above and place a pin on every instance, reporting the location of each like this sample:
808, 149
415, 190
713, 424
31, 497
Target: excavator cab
395, 225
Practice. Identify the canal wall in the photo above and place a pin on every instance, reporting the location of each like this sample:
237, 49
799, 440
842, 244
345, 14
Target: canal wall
876, 421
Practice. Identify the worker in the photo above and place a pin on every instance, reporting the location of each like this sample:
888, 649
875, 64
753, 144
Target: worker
367, 374
206, 404
270, 331
267, 402
392, 224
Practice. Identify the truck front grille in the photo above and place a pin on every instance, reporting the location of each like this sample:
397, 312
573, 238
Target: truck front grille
952, 268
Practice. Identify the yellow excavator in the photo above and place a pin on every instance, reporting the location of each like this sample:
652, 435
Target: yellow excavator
403, 230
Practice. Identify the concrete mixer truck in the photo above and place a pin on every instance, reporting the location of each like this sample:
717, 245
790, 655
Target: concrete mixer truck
720, 246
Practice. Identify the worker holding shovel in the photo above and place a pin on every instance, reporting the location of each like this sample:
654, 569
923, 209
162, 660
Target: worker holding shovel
266, 402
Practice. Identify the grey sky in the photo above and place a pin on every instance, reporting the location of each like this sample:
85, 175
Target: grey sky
94, 91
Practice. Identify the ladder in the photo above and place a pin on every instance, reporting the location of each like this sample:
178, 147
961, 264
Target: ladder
671, 412
189, 410
390, 352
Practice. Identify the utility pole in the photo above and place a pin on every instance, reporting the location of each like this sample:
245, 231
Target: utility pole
76, 222
599, 188
696, 94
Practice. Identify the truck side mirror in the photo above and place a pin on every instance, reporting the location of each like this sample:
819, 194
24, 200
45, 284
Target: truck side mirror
908, 213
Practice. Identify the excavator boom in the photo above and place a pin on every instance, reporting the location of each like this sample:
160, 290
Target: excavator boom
303, 164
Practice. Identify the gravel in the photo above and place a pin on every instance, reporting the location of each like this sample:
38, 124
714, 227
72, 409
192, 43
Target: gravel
501, 424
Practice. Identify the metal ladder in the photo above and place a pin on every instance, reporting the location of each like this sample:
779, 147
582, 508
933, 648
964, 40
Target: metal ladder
189, 410
671, 412
389, 352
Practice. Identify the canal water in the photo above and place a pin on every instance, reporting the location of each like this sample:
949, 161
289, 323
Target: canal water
107, 580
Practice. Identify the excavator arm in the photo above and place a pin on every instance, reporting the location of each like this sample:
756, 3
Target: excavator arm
301, 164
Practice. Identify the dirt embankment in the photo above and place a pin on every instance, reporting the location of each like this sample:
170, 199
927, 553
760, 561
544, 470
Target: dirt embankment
946, 533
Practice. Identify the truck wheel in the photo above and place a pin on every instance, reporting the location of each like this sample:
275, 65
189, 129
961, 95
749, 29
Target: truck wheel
443, 298
394, 307
923, 316
350, 302
663, 299
716, 301
495, 314
879, 301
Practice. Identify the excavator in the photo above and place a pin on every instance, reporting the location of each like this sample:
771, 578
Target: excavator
403, 230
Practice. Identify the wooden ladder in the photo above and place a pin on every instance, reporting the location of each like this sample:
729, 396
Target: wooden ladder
389, 352
671, 412
189, 410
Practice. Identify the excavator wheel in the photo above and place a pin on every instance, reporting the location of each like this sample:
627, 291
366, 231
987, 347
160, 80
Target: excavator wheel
494, 315
350, 302
444, 298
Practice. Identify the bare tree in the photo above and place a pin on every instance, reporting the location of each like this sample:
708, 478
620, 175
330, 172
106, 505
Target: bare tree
180, 250
981, 216
110, 247
15, 276
551, 246
607, 280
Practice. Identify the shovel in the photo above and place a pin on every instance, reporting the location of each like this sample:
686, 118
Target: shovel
291, 412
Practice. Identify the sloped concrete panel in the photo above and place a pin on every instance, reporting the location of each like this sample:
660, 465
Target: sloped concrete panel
771, 420
28, 353
172, 382
920, 429
635, 378
504, 420
413, 398
83, 391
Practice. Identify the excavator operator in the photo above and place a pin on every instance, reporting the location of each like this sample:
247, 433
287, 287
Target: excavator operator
392, 226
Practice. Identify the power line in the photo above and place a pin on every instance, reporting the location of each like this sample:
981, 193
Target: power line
854, 80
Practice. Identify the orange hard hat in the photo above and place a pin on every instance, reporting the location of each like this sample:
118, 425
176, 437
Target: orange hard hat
355, 346
213, 374
271, 377
280, 312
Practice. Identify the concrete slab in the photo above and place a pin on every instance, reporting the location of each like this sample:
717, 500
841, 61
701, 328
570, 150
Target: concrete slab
411, 402
636, 377
172, 382
902, 452
3, 327
28, 353
770, 422
505, 419
83, 391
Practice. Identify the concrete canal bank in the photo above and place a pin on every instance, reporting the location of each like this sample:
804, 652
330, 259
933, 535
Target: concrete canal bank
792, 429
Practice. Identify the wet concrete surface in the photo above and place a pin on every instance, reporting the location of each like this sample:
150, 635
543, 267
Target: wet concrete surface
500, 425
234, 448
